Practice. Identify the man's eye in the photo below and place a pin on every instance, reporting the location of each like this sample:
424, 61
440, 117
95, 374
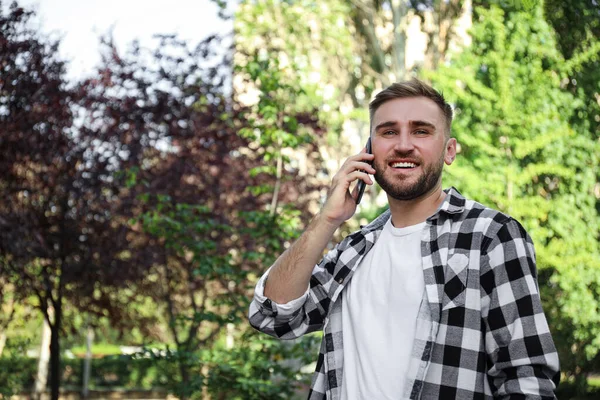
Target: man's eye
421, 132
389, 133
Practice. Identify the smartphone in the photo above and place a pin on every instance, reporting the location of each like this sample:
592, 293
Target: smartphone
361, 184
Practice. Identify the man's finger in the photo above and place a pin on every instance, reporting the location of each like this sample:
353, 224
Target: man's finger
359, 175
355, 192
358, 165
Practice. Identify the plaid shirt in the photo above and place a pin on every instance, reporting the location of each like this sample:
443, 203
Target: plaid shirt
481, 331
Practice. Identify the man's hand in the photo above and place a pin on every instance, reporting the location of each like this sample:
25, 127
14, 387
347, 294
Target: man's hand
341, 204
290, 275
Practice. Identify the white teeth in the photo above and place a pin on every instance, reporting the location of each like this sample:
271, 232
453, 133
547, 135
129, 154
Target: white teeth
403, 165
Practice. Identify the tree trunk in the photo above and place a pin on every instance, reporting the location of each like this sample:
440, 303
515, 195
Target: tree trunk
399, 13
87, 366
185, 378
581, 384
41, 379
10, 314
55, 370
2, 342
278, 176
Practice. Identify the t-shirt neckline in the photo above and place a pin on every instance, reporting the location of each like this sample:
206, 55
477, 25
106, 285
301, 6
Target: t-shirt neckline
406, 230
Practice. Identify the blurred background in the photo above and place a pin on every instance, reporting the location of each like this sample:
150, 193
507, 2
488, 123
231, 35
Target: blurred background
156, 157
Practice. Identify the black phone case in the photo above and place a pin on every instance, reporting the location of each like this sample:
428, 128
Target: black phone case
361, 184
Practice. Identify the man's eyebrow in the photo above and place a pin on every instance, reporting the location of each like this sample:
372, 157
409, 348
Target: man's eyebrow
413, 124
422, 123
385, 124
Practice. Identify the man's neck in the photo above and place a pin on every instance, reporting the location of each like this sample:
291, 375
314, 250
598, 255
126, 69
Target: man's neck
411, 212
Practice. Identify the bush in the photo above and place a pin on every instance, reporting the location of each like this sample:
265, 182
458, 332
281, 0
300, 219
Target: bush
16, 374
122, 371
259, 367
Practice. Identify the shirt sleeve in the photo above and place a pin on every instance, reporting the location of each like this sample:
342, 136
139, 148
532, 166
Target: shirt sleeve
286, 309
522, 358
300, 316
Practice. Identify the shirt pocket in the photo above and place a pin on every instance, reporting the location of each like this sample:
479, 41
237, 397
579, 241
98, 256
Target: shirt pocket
455, 281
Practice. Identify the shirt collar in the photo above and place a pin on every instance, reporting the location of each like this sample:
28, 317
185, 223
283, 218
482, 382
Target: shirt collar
453, 203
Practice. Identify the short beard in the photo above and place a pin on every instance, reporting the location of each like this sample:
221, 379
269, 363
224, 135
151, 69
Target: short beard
426, 182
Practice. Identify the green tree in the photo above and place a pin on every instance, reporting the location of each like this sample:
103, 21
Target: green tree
213, 196
309, 44
340, 52
60, 236
520, 153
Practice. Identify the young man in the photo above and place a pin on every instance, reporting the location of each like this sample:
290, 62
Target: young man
437, 298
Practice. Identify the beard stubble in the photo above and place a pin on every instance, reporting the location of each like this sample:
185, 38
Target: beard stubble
401, 189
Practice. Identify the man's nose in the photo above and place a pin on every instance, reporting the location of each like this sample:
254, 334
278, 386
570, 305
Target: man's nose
403, 142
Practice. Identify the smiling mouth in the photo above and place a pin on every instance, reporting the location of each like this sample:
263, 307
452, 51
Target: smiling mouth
403, 165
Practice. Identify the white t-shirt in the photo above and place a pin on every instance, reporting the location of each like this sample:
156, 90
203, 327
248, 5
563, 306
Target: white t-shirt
379, 313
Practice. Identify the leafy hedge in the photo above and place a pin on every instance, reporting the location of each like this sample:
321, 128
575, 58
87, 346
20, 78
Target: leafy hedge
124, 372
256, 368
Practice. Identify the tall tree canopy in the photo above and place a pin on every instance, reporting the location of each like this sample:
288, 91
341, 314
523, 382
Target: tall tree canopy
62, 236
514, 126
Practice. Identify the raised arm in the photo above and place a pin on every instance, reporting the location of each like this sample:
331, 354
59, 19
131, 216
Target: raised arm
283, 306
289, 277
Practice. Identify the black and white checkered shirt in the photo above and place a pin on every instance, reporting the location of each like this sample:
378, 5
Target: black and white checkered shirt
481, 331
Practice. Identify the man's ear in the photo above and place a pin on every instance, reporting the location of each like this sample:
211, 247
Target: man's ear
450, 151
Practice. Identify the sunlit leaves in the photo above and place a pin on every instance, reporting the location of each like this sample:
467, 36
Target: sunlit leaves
514, 121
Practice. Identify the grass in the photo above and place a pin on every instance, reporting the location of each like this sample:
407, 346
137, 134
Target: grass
104, 349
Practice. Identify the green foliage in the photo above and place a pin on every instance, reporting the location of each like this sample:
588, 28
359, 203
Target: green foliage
520, 153
187, 230
256, 367
527, 121
259, 367
117, 371
167, 368
569, 390
16, 371
272, 232
294, 42
280, 122
252, 368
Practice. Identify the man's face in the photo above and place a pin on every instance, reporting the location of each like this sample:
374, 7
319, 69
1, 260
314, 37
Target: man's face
410, 147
